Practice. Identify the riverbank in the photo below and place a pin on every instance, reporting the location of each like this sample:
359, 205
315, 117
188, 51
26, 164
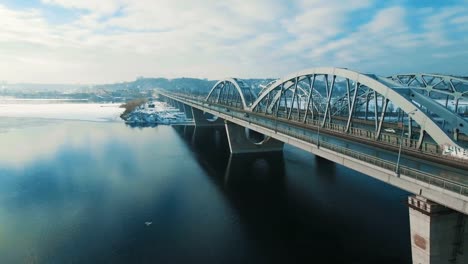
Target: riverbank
152, 113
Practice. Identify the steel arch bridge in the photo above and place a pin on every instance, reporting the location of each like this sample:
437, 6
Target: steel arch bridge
232, 92
417, 105
442, 88
365, 119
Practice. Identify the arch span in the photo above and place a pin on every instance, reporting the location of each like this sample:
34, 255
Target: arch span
451, 86
362, 93
232, 92
445, 95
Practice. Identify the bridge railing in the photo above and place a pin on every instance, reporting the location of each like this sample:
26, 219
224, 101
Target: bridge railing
306, 136
402, 170
386, 138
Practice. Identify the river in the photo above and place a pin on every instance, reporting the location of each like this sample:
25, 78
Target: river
93, 190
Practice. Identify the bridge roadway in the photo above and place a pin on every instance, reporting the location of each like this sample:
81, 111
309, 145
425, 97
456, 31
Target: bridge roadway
440, 183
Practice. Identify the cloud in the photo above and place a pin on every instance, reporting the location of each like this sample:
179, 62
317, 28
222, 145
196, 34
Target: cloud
115, 40
154, 36
100, 7
318, 21
17, 26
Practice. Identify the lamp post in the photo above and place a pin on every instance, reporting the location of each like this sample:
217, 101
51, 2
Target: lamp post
318, 129
397, 168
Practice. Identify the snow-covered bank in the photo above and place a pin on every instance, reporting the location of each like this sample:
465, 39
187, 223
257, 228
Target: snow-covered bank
155, 112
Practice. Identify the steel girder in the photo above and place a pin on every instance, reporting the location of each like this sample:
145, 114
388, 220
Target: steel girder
302, 94
232, 89
265, 87
451, 86
434, 92
385, 92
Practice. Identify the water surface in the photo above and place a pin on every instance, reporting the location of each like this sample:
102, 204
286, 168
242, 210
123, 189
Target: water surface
81, 192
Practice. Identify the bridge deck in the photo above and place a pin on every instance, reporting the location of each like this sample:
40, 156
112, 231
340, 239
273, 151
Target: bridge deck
418, 170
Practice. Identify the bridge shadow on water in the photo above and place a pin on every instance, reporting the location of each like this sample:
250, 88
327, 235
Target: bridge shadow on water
297, 208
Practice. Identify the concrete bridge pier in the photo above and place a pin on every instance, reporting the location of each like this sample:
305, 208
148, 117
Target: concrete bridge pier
188, 111
180, 106
439, 235
200, 119
170, 101
240, 143
175, 104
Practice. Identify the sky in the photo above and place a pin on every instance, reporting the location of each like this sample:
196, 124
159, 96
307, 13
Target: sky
103, 41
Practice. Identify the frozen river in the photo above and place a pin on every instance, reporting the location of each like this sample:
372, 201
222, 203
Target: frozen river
62, 110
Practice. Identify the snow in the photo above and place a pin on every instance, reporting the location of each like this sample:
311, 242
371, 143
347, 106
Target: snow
63, 111
161, 113
156, 113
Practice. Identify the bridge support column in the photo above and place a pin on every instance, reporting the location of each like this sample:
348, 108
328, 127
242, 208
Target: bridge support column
188, 111
180, 105
200, 119
239, 143
171, 102
439, 235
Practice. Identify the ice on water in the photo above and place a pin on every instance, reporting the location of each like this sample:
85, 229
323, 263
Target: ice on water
64, 111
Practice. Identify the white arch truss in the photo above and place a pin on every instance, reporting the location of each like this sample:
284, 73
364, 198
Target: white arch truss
232, 91
385, 92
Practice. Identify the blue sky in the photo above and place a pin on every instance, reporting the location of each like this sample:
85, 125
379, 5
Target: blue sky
88, 41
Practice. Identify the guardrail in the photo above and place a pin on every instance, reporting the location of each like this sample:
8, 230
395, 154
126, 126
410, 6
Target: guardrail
402, 170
